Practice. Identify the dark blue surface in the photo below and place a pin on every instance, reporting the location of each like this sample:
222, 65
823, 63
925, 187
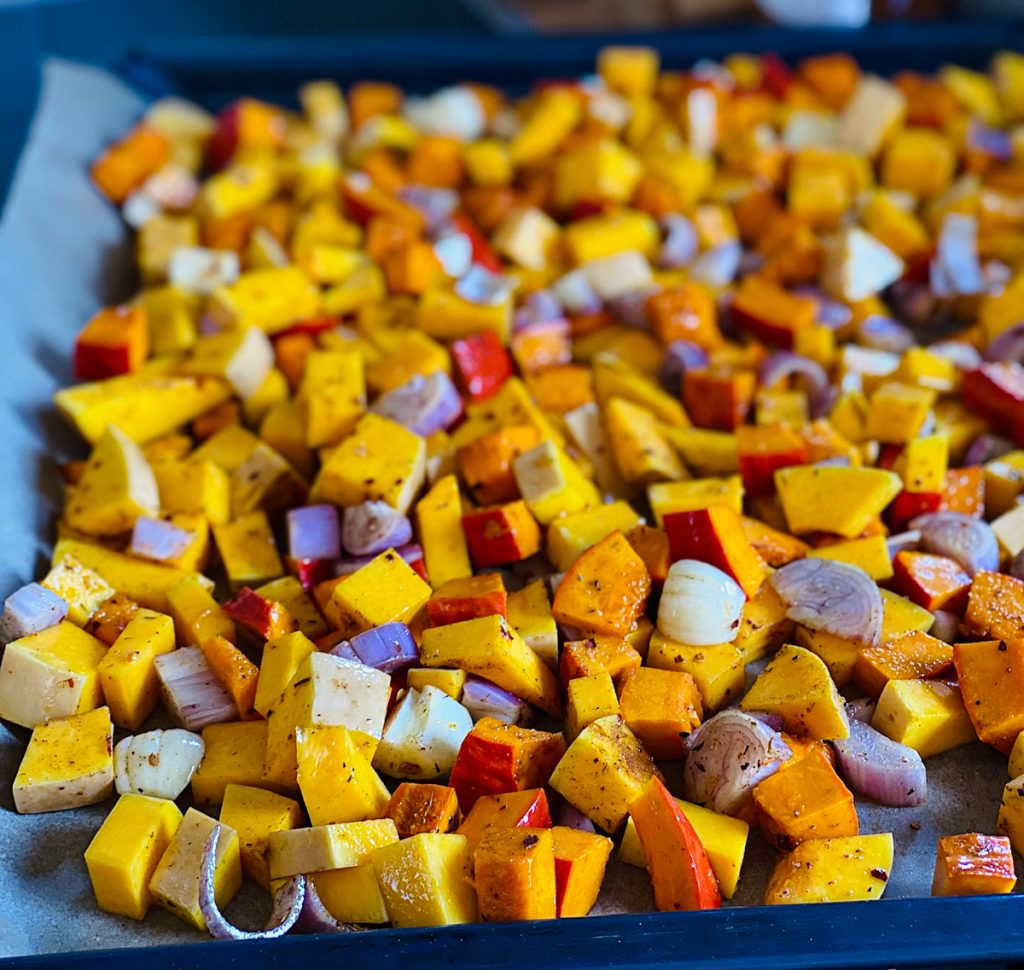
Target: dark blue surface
974, 932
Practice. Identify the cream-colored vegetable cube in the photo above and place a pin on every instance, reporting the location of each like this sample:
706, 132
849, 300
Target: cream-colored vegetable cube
526, 237
857, 265
422, 735
873, 111
324, 847
1009, 530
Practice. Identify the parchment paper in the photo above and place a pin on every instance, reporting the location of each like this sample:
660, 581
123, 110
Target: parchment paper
62, 253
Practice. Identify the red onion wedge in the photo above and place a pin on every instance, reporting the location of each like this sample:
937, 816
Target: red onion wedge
963, 538
945, 627
389, 647
159, 540
833, 597
884, 333
288, 902
571, 817
861, 709
31, 609
372, 527
422, 404
880, 769
784, 364
680, 356
314, 917
192, 694
1009, 345
985, 448
680, 245
313, 532
483, 699
903, 542
728, 755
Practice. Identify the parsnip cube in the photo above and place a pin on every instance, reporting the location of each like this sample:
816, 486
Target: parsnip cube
322, 848
422, 735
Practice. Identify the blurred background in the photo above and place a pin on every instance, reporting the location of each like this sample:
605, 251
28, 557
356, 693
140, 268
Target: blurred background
105, 31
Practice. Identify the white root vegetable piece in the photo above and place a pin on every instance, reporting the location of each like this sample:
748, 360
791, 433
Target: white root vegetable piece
200, 270
193, 695
874, 108
31, 609
700, 604
158, 763
422, 735
241, 357
857, 265
616, 275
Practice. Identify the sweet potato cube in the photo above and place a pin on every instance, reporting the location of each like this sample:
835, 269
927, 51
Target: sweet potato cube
995, 607
514, 873
580, 862
926, 715
991, 676
468, 598
796, 685
718, 398
833, 498
417, 808
912, 656
716, 536
254, 813
425, 880
832, 870
519, 809
681, 873
497, 758
489, 648
659, 707
175, 883
973, 865
385, 590
605, 591
599, 654
501, 534
604, 771
934, 582
805, 800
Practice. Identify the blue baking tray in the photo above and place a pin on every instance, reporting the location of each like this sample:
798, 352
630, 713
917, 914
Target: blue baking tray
967, 932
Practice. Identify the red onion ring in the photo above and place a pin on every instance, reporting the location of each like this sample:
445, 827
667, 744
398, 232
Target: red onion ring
833, 597
1009, 345
784, 363
880, 769
963, 538
728, 755
288, 902
861, 709
902, 542
985, 448
884, 333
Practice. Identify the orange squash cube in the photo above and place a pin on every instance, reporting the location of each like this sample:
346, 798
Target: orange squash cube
775, 547
236, 672
762, 450
599, 654
514, 873
417, 808
913, 656
991, 675
468, 598
805, 800
995, 607
972, 865
685, 312
370, 98
413, 269
934, 582
518, 809
606, 590
964, 491
716, 536
771, 313
651, 545
660, 707
580, 862
124, 166
486, 463
115, 341
718, 398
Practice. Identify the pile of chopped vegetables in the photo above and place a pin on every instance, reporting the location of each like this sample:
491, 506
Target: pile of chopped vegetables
463, 463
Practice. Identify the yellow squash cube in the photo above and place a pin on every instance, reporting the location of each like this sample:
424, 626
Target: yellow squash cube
764, 625
834, 498
82, 589
605, 170
696, 494
68, 763
198, 617
381, 461
352, 895
569, 536
322, 848
50, 674
587, 699
724, 839
124, 853
898, 412
487, 647
444, 315
832, 870
529, 613
603, 772
450, 681
337, 782
870, 554
254, 814
426, 880
270, 299
926, 715
607, 235
527, 237
333, 394
234, 756
116, 487
641, 453
921, 161
127, 671
439, 526
175, 883
923, 462
281, 658
246, 546
289, 593
195, 488
614, 377
901, 616
385, 590
717, 669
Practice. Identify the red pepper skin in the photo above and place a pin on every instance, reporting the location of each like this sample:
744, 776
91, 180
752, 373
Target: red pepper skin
266, 618
996, 391
907, 506
483, 767
681, 874
776, 75
482, 364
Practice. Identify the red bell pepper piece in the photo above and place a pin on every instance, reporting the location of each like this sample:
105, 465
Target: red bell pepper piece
482, 253
266, 618
482, 364
907, 506
681, 874
776, 75
996, 391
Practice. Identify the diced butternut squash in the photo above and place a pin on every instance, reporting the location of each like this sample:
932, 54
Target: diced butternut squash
926, 715
832, 870
833, 498
973, 865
